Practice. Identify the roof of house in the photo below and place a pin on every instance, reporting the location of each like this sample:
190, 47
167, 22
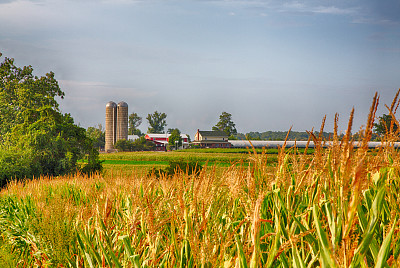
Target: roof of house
210, 141
212, 133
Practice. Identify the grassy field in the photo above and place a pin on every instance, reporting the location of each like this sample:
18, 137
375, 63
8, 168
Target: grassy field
338, 207
141, 162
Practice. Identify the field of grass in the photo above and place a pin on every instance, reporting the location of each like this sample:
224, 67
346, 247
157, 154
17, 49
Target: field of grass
338, 207
141, 162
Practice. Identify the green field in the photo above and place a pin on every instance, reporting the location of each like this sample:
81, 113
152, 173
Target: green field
141, 162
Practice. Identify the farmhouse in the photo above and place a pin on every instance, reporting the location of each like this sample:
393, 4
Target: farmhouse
161, 140
211, 139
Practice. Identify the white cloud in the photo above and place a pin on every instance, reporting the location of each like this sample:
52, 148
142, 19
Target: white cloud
333, 10
294, 5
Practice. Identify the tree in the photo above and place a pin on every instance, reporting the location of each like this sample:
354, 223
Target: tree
35, 137
98, 135
134, 121
385, 125
21, 91
225, 124
124, 145
175, 138
140, 144
157, 122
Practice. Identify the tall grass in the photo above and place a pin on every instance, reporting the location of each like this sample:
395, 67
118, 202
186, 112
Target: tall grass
338, 207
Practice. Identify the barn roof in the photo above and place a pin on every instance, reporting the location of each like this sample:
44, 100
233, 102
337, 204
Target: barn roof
212, 133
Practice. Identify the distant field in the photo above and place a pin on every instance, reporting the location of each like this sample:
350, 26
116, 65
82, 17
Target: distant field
141, 162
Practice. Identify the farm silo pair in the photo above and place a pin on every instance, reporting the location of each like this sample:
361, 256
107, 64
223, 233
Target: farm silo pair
116, 123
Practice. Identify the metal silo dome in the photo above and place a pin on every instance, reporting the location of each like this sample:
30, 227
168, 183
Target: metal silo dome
122, 104
111, 104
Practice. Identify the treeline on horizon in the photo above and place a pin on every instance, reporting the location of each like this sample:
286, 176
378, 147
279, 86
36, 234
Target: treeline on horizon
281, 135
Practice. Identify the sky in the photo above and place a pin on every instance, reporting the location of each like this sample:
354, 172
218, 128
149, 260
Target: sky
272, 64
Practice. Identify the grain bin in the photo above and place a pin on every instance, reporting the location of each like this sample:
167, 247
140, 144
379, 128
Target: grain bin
111, 125
122, 121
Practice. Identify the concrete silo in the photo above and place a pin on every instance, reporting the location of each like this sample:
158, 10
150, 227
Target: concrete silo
122, 121
111, 125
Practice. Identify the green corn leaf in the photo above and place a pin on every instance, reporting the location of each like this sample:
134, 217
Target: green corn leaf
136, 261
106, 255
285, 262
323, 239
310, 238
369, 232
275, 246
364, 225
242, 256
384, 250
128, 246
115, 259
89, 260
90, 245
378, 202
297, 261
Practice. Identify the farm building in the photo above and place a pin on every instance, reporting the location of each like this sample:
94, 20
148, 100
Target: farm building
211, 139
298, 144
161, 140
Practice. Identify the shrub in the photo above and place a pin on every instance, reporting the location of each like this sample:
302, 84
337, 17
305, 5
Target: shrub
174, 167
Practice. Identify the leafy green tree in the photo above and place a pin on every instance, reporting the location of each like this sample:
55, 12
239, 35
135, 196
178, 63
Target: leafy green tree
98, 135
138, 132
21, 91
175, 138
124, 145
36, 138
140, 144
134, 121
232, 137
157, 122
384, 125
225, 124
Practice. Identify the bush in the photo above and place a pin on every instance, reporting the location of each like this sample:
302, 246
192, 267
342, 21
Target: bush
140, 144
189, 168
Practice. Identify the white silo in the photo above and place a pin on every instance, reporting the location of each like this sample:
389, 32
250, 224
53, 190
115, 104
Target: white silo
122, 121
111, 125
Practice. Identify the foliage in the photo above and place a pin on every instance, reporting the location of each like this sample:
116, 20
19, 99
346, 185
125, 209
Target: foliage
138, 132
281, 135
36, 138
157, 122
225, 124
385, 125
175, 138
124, 145
98, 135
140, 144
21, 92
176, 167
232, 137
134, 121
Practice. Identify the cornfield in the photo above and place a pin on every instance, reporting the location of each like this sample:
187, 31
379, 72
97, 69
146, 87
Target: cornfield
338, 207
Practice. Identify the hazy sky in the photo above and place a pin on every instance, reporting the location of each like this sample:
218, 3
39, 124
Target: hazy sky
272, 64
